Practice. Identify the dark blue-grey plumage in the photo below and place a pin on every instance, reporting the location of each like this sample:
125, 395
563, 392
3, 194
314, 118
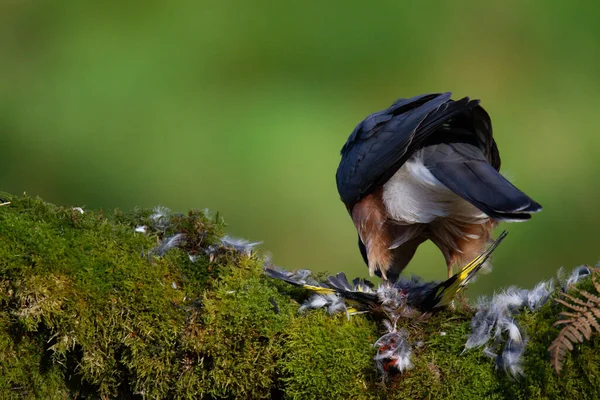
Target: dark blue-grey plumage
459, 151
381, 143
463, 168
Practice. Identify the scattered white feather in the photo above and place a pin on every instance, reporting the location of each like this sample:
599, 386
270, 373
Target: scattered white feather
490, 353
170, 243
240, 245
160, 218
481, 326
579, 273
79, 209
301, 276
513, 351
141, 228
495, 319
337, 305
513, 331
540, 294
332, 301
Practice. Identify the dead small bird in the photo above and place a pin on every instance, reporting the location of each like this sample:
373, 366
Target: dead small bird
426, 168
406, 297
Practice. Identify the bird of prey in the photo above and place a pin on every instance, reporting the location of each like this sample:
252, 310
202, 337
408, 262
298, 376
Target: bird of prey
426, 168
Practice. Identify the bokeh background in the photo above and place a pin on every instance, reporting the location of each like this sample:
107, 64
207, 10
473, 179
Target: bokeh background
242, 107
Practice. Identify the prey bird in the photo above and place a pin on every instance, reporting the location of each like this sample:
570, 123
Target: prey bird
426, 168
361, 296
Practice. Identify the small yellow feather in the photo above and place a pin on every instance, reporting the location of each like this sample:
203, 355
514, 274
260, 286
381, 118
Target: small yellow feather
319, 289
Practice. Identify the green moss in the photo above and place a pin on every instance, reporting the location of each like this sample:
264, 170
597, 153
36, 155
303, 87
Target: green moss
25, 371
104, 308
236, 331
442, 370
328, 357
88, 308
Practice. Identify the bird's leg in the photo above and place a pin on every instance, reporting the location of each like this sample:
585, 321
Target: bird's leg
452, 259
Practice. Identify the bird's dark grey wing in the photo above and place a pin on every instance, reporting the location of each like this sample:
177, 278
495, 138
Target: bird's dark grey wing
381, 143
465, 170
367, 127
339, 281
482, 127
357, 293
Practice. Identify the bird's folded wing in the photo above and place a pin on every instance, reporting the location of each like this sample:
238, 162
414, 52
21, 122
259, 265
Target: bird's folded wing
385, 140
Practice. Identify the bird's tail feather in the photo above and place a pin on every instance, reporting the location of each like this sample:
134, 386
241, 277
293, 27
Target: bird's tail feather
481, 185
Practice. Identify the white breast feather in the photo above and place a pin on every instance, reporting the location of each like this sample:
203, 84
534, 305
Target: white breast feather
414, 195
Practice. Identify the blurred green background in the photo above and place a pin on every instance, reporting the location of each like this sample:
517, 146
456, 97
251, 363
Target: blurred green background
242, 107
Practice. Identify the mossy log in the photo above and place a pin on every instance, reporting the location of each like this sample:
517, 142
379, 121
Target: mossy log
90, 308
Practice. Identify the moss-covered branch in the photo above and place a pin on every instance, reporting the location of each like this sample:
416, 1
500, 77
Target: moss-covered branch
89, 307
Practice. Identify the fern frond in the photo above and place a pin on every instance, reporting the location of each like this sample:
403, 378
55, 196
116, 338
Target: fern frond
593, 318
596, 282
568, 314
564, 321
578, 306
591, 297
579, 321
572, 333
558, 349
